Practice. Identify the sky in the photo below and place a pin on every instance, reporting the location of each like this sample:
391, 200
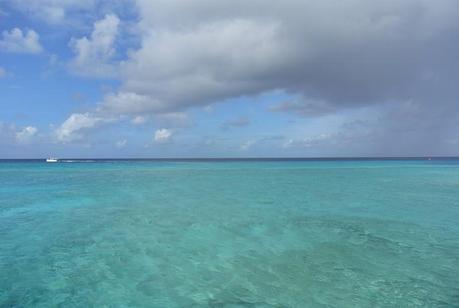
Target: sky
241, 78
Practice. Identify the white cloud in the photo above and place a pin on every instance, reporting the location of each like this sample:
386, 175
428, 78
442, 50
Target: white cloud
139, 120
175, 119
208, 108
247, 145
131, 103
2, 72
72, 128
93, 55
25, 135
121, 143
18, 41
308, 141
163, 135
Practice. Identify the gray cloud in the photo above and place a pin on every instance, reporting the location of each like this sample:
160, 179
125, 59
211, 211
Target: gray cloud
344, 54
398, 58
403, 129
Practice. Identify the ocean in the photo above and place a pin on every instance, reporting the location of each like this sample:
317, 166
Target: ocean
230, 233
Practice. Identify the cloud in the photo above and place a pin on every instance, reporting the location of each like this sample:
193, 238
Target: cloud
165, 73
171, 119
121, 143
25, 135
11, 134
398, 59
139, 120
304, 107
52, 11
308, 141
331, 56
131, 103
237, 122
72, 129
18, 41
3, 72
247, 145
162, 135
93, 55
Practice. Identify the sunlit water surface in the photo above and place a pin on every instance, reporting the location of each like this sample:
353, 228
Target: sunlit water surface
230, 234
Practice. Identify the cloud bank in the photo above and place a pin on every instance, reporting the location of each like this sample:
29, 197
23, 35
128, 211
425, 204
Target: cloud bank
398, 59
342, 54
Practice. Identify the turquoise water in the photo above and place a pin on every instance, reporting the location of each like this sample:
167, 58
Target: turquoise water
230, 234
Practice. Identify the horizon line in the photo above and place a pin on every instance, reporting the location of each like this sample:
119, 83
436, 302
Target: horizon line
243, 158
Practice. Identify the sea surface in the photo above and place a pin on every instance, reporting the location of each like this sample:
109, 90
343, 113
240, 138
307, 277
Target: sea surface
242, 233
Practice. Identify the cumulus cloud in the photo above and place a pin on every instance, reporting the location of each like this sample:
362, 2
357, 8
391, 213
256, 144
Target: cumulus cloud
93, 55
73, 128
25, 135
329, 55
162, 135
165, 74
18, 41
2, 72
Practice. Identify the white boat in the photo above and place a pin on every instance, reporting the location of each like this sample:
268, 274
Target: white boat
51, 160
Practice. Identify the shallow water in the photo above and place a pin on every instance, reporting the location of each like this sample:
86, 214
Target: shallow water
230, 234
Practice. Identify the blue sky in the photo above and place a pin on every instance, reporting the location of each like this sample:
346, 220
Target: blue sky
242, 79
